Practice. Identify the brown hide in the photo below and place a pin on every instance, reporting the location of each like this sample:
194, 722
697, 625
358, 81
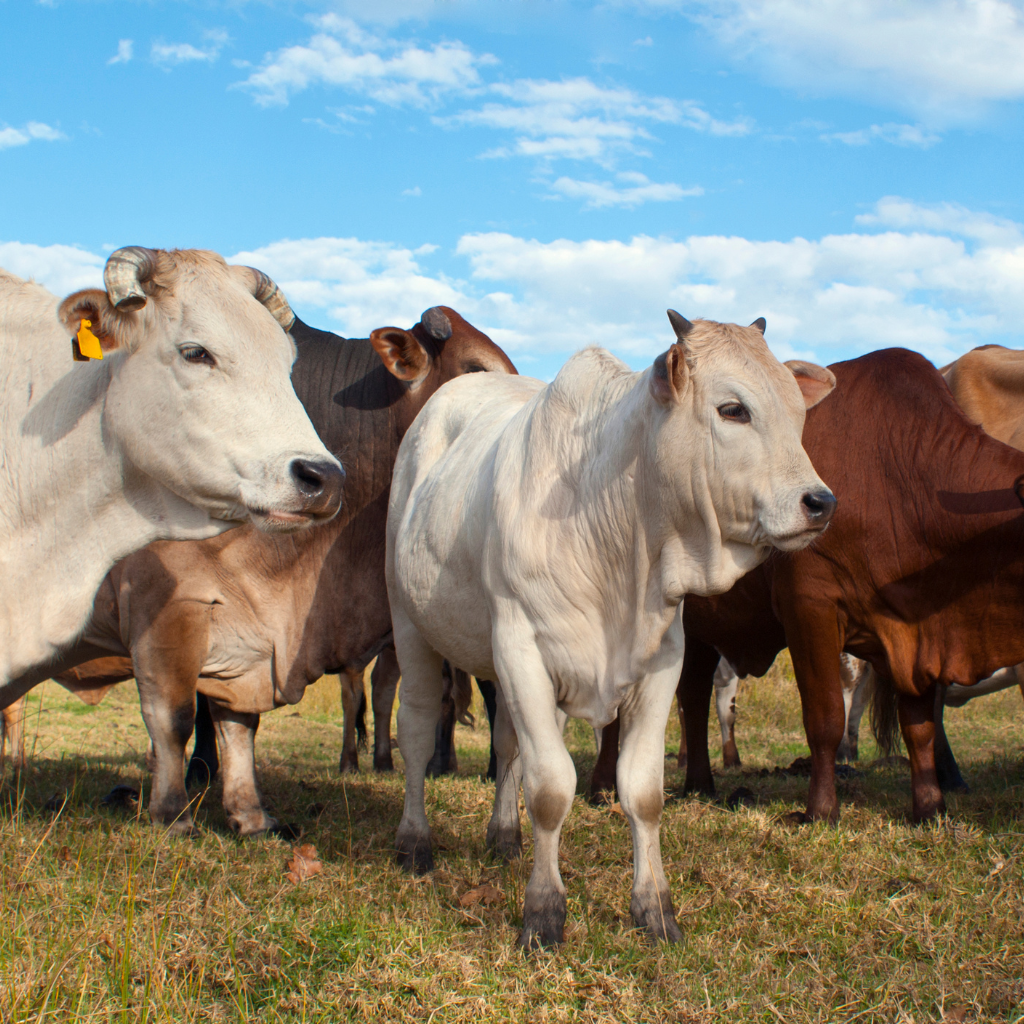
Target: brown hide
920, 572
253, 618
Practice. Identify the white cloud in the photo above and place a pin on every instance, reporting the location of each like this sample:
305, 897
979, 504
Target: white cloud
943, 57
124, 52
34, 130
896, 134
414, 191
359, 285
634, 189
577, 119
944, 218
343, 54
61, 268
169, 54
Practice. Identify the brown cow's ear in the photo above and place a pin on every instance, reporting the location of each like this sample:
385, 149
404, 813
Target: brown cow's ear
815, 382
401, 352
669, 375
93, 305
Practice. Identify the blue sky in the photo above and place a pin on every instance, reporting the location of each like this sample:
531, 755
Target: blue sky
560, 172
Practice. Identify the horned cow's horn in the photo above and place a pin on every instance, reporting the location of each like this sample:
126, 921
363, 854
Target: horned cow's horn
124, 273
271, 296
437, 325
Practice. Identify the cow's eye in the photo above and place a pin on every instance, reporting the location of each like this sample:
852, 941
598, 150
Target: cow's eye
735, 412
474, 368
197, 354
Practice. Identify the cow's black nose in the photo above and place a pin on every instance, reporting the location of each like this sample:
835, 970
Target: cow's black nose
818, 506
320, 483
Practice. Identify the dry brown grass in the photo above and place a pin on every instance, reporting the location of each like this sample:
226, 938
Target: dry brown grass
875, 920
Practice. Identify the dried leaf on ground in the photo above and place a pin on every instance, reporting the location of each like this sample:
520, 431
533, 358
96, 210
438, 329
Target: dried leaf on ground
303, 864
485, 894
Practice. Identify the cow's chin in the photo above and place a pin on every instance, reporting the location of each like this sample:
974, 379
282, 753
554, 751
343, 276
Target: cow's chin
799, 540
279, 520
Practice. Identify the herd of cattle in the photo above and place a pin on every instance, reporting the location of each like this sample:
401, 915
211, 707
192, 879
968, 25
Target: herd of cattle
230, 504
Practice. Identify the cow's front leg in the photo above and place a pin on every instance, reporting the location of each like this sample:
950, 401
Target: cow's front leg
640, 781
419, 707
815, 647
549, 782
243, 803
917, 723
383, 683
167, 660
504, 832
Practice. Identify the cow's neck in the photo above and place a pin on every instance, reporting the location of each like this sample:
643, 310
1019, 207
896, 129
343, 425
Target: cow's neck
651, 555
78, 509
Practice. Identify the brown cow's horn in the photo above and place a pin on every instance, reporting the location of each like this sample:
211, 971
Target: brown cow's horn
270, 295
760, 323
680, 324
124, 273
436, 324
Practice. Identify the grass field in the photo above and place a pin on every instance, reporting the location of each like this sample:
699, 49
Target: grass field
106, 919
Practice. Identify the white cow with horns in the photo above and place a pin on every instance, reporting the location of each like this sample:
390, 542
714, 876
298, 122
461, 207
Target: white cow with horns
546, 535
186, 427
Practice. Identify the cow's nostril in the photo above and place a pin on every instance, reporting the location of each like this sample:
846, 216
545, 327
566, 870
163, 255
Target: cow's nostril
818, 505
317, 479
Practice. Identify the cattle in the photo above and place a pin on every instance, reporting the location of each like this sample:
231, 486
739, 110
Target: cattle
544, 536
252, 619
185, 425
853, 673
920, 573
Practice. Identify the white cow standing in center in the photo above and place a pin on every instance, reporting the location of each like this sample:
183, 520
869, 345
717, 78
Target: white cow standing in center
545, 536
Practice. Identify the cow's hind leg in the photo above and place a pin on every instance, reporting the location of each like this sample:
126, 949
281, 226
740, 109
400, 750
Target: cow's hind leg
696, 684
418, 710
14, 734
383, 683
602, 780
641, 778
351, 685
489, 693
243, 803
946, 768
727, 685
505, 832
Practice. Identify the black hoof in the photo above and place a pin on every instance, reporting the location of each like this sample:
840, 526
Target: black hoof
741, 797
418, 860
543, 922
346, 766
123, 798
383, 764
505, 844
285, 831
656, 918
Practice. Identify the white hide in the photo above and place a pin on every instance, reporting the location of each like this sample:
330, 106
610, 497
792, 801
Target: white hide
100, 458
545, 536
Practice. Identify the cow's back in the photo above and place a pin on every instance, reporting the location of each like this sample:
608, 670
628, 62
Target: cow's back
437, 546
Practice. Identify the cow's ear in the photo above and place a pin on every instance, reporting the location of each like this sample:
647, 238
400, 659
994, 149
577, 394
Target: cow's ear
669, 375
402, 353
815, 382
93, 305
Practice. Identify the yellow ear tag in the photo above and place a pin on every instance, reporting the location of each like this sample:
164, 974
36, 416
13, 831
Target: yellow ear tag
88, 343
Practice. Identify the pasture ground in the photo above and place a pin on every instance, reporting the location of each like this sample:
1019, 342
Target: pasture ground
106, 919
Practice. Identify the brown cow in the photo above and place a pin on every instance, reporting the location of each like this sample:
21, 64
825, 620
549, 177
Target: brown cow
920, 573
253, 619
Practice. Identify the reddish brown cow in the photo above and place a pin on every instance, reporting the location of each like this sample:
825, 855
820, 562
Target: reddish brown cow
252, 618
920, 573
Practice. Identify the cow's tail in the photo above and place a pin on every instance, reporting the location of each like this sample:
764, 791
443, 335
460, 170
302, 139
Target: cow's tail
885, 721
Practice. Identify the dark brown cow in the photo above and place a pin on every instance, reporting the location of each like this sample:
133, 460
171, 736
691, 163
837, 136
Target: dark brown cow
251, 618
921, 573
